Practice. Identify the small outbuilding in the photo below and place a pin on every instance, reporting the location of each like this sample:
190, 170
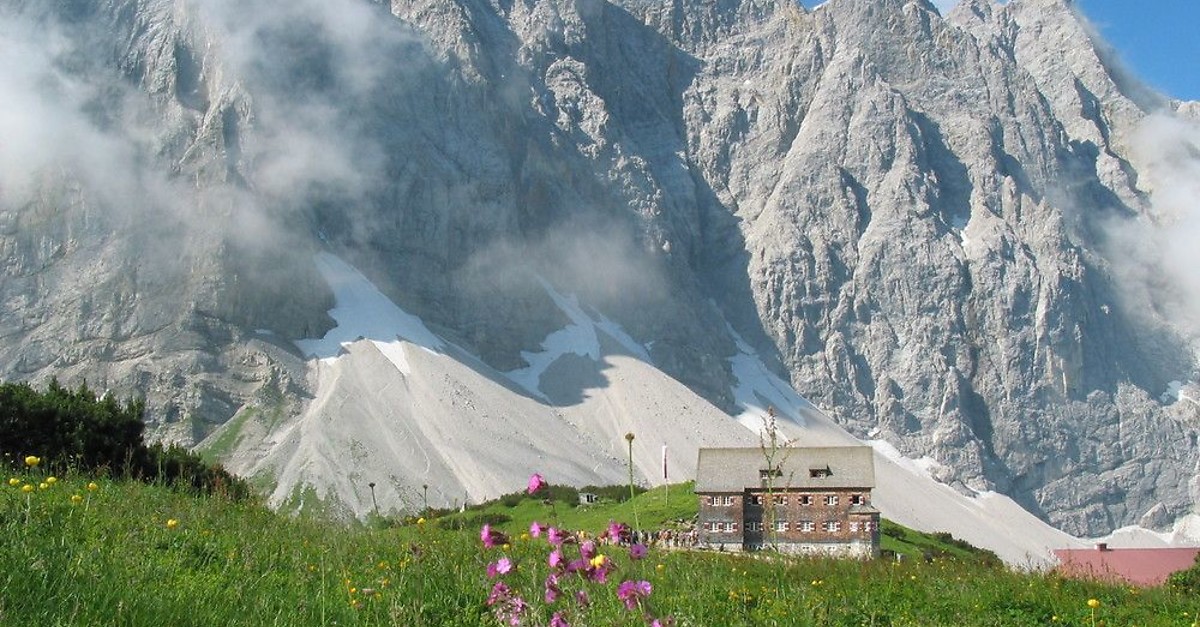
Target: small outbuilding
1141, 567
803, 500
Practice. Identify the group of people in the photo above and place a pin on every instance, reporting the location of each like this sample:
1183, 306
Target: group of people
669, 538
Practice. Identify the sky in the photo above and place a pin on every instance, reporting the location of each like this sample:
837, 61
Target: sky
1155, 39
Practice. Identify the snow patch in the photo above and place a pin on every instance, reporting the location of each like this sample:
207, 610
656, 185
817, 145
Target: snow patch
758, 389
925, 466
363, 312
1185, 532
577, 338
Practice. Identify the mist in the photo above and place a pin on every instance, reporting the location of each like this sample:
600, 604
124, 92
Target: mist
1156, 256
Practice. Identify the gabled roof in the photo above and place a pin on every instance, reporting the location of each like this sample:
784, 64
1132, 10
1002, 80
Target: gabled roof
735, 469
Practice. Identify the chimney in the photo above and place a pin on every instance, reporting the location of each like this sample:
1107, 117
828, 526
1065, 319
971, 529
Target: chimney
1102, 546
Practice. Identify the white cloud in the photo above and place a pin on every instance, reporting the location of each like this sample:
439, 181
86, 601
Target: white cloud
1156, 257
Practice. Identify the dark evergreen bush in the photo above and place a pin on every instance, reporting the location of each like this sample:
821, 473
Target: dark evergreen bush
77, 430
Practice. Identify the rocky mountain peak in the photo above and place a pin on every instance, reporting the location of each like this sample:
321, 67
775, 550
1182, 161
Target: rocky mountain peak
912, 219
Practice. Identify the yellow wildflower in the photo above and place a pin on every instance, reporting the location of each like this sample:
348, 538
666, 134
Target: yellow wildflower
172, 523
43, 485
92, 487
14, 482
1093, 603
32, 461
598, 561
52, 480
76, 499
421, 520
27, 488
660, 567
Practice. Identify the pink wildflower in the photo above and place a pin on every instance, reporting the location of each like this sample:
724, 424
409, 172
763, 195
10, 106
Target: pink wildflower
491, 537
637, 551
556, 559
616, 531
558, 621
632, 592
587, 550
500, 592
582, 599
535, 483
536, 528
552, 589
555, 537
503, 566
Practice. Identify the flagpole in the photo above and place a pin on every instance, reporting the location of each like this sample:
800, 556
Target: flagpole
666, 484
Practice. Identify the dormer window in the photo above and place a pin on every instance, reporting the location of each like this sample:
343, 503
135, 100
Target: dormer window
818, 472
767, 473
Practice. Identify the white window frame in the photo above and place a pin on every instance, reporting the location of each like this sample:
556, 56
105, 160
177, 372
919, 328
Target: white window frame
831, 500
807, 526
833, 526
781, 525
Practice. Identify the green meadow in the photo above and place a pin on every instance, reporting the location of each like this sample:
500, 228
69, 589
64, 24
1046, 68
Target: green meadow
129, 553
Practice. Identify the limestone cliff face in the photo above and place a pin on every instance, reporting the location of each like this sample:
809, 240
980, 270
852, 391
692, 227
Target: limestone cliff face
910, 215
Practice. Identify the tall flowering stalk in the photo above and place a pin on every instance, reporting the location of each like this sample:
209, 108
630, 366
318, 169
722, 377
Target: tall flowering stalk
538, 484
629, 440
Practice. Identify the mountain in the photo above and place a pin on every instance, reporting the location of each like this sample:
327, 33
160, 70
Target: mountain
964, 238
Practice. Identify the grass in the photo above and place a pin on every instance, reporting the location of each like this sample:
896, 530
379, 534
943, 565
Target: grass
113, 558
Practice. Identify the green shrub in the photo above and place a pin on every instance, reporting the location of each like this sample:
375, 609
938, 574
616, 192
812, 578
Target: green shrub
78, 430
1186, 581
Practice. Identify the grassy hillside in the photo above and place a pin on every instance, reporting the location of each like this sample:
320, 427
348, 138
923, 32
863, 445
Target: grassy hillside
126, 553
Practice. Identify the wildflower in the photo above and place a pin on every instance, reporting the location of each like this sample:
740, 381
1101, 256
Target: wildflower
92, 487
587, 550
555, 560
598, 561
632, 592
172, 523
52, 480
536, 529
1093, 603
14, 482
557, 620
555, 537
536, 483
637, 551
616, 531
43, 485
421, 520
660, 567
491, 537
582, 599
552, 589
32, 461
27, 488
503, 566
76, 499
507, 606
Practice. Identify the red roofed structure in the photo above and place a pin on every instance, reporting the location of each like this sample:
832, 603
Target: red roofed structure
1141, 567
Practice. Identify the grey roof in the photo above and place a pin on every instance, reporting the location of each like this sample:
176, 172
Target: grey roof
735, 469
